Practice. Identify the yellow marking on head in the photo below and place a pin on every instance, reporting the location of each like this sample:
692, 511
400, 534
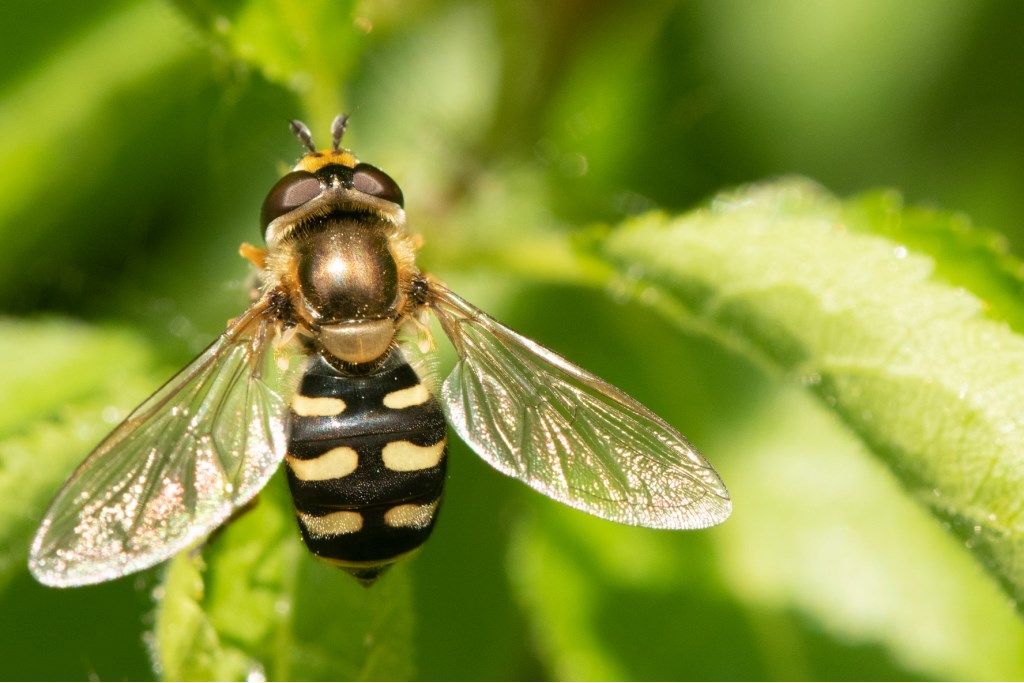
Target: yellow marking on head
405, 456
334, 464
410, 396
308, 406
313, 162
411, 516
333, 524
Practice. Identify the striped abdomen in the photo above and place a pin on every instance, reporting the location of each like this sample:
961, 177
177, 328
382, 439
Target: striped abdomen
366, 464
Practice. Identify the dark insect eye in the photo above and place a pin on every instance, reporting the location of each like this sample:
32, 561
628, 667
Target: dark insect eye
373, 181
291, 191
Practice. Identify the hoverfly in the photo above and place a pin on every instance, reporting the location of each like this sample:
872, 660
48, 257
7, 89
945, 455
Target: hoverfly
315, 374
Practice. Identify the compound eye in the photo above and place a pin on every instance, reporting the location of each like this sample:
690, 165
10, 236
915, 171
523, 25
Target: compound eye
373, 181
290, 192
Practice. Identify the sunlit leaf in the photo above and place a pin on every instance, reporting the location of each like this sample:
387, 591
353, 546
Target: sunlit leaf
825, 531
964, 255
910, 363
825, 571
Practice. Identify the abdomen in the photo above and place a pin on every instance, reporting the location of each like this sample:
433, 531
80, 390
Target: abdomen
366, 464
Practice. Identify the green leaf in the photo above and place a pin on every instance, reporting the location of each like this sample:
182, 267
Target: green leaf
257, 604
308, 47
63, 385
964, 255
825, 531
62, 110
911, 363
825, 571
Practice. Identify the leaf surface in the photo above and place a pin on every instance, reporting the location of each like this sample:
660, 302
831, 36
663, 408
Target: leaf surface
256, 604
308, 47
920, 368
63, 385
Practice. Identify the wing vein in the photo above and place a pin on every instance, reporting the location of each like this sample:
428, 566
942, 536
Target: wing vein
534, 415
160, 479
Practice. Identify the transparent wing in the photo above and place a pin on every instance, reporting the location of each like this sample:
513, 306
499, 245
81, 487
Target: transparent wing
537, 417
201, 446
419, 350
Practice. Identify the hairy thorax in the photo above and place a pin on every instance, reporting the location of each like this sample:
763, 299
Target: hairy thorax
348, 279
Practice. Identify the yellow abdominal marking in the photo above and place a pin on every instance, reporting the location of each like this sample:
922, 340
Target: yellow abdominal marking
405, 456
366, 564
410, 396
410, 515
307, 406
334, 464
333, 524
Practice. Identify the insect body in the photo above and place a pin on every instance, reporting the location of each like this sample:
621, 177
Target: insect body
366, 463
314, 374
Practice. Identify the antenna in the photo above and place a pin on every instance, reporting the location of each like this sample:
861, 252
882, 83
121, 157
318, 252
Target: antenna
301, 131
338, 130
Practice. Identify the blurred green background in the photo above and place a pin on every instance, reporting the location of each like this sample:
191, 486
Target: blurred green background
137, 140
